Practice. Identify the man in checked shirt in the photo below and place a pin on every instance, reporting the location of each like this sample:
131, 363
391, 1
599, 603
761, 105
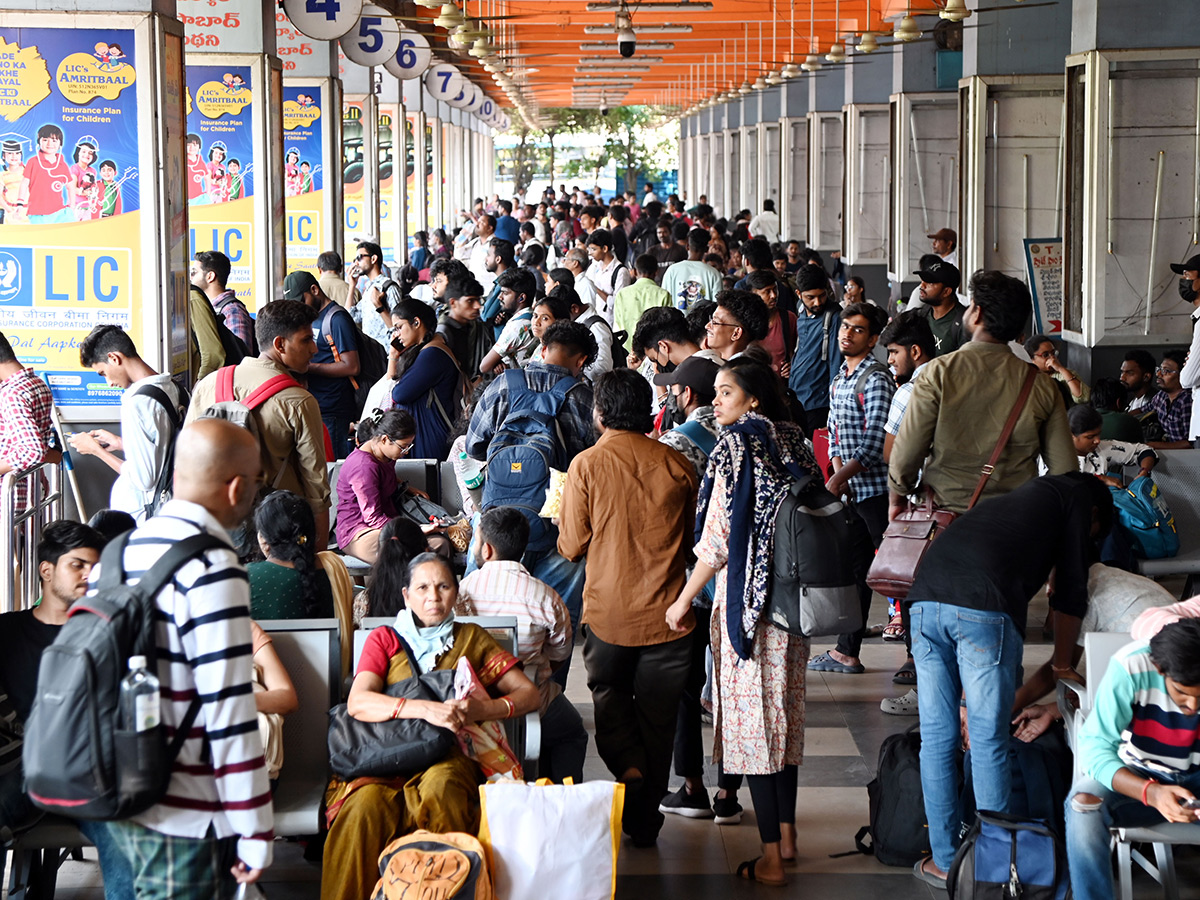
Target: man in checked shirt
25, 429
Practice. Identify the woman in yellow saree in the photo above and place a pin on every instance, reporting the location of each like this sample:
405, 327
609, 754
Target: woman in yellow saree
364, 815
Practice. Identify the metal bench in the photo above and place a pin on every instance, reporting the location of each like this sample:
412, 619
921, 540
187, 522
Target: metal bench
1177, 475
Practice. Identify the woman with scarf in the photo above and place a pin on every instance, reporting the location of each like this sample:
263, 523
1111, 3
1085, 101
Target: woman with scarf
428, 381
366, 814
758, 670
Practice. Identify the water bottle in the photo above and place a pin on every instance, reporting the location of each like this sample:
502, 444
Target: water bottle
472, 470
250, 892
140, 706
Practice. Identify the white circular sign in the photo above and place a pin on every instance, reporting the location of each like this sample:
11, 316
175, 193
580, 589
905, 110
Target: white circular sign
487, 109
413, 57
323, 20
443, 81
374, 40
462, 99
474, 98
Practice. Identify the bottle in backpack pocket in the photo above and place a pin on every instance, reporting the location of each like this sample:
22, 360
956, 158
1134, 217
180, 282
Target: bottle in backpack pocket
141, 707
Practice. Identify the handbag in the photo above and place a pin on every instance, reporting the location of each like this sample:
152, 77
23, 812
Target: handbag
397, 746
909, 536
420, 509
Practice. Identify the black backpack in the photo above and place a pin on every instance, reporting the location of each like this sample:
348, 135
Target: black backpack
80, 761
372, 357
813, 588
248, 350
899, 832
1005, 857
620, 356
164, 487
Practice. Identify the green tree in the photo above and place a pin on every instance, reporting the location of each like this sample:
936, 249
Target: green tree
566, 120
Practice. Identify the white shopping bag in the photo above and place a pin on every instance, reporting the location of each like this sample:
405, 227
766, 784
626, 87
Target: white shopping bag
556, 840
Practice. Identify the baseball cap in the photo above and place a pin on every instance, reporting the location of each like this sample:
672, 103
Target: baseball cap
695, 372
941, 273
297, 285
1192, 265
945, 234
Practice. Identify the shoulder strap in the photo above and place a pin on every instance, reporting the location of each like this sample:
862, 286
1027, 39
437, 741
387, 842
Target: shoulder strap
112, 563
159, 396
170, 562
225, 384
267, 390
323, 322
828, 321
616, 272
868, 369
412, 660
561, 388
1030, 377
698, 435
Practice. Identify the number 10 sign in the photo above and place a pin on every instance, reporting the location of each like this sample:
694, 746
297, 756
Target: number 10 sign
323, 20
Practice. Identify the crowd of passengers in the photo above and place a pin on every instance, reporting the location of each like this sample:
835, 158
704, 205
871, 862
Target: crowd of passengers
684, 398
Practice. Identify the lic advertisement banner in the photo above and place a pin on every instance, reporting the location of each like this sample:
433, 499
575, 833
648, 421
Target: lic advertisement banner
69, 199
353, 175
410, 180
219, 169
385, 138
303, 179
1043, 268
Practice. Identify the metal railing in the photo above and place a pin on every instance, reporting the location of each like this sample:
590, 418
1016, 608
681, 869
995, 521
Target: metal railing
21, 525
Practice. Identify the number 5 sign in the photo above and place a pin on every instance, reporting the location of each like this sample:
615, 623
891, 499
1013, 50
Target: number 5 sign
412, 58
323, 20
375, 40
444, 81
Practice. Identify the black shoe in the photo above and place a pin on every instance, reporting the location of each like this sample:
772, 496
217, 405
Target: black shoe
727, 811
681, 803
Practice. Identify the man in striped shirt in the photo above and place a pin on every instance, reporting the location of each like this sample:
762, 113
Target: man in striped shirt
1139, 750
215, 822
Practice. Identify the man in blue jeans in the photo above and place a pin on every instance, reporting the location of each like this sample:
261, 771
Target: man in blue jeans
1137, 751
968, 609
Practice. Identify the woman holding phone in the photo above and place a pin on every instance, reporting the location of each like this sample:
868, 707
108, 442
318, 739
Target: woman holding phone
428, 381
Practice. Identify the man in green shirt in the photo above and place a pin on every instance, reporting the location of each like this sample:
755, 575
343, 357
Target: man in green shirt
640, 296
939, 291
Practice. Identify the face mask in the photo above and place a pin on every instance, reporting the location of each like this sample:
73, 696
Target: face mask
677, 415
664, 368
1186, 291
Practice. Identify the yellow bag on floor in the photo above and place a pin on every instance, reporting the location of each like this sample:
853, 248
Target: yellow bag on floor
548, 839
428, 866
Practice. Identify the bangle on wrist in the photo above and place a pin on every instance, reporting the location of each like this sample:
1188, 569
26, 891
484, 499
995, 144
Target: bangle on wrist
512, 707
1146, 790
399, 706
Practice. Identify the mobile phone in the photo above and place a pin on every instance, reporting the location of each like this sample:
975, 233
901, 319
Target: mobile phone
1194, 803
398, 345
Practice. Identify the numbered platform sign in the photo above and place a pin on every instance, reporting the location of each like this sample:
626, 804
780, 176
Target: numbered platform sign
487, 109
413, 57
443, 81
474, 98
323, 20
374, 40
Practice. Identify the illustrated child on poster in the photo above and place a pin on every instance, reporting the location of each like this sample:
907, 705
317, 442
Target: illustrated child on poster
237, 179
218, 175
84, 176
47, 180
110, 188
197, 177
306, 180
12, 173
291, 172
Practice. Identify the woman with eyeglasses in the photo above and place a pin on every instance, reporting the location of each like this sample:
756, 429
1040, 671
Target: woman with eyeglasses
1043, 354
367, 481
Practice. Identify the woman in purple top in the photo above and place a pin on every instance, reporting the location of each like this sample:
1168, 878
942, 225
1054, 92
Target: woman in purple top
367, 481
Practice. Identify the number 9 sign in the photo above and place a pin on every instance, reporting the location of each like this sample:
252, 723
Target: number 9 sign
444, 81
412, 58
323, 20
374, 40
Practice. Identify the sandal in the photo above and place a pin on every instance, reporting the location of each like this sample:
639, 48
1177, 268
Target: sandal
746, 872
907, 675
826, 663
894, 630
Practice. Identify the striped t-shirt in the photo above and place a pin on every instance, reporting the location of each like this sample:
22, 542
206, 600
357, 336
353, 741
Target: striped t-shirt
204, 645
1135, 723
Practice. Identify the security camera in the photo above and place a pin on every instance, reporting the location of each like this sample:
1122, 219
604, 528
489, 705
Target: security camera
604, 110
626, 41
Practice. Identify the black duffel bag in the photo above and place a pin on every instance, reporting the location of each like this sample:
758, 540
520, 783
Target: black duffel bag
396, 746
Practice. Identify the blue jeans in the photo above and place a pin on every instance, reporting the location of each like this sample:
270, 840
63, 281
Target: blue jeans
961, 652
1089, 853
339, 434
114, 866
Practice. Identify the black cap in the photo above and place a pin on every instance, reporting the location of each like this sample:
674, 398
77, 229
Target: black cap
297, 284
1192, 265
695, 372
941, 273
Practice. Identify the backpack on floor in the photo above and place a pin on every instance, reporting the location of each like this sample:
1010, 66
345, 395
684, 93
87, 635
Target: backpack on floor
1006, 857
1148, 521
428, 866
899, 832
524, 449
813, 590
80, 760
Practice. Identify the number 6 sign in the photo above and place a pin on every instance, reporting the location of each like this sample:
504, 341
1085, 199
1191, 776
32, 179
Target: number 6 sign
443, 81
374, 40
412, 58
323, 20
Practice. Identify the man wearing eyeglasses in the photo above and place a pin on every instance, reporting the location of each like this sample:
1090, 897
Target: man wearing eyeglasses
739, 320
1172, 403
373, 310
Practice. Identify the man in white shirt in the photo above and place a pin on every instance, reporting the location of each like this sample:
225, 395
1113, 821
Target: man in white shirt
608, 274
766, 223
151, 417
1189, 376
649, 196
576, 262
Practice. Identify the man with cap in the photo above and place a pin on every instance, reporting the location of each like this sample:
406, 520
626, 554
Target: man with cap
939, 286
693, 428
1189, 375
945, 244
331, 372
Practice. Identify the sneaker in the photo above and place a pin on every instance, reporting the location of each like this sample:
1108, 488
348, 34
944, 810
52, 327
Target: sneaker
900, 706
681, 803
727, 810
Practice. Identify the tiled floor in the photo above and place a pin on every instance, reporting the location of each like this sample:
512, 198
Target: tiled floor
695, 859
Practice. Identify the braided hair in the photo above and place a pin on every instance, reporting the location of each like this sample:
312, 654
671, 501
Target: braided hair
285, 523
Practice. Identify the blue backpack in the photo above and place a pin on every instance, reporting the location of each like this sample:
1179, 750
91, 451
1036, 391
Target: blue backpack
526, 447
1148, 521
1005, 857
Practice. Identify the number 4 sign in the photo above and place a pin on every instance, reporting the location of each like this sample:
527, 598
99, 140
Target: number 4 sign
323, 20
444, 81
412, 58
375, 40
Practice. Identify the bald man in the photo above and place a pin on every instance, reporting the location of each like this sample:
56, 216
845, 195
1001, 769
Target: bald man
217, 806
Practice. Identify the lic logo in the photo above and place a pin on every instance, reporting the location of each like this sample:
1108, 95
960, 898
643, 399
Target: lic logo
15, 266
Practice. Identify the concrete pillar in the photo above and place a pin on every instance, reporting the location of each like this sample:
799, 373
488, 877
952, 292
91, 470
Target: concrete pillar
110, 80
234, 104
826, 96
312, 145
